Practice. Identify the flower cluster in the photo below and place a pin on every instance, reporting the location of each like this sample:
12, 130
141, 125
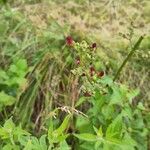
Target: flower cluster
69, 41
84, 59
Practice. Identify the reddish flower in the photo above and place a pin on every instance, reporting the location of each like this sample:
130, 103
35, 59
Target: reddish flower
69, 40
94, 45
92, 71
78, 61
100, 74
87, 94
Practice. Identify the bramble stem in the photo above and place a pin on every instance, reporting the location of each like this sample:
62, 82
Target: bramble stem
135, 47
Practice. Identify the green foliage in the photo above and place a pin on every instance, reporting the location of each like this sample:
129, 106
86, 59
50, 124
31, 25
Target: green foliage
113, 112
15, 75
5, 100
14, 137
11, 81
57, 135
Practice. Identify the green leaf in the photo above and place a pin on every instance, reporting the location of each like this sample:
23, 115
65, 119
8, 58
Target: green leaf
128, 140
80, 101
120, 144
99, 131
87, 137
20, 132
62, 127
99, 98
5, 99
127, 111
108, 111
13, 68
114, 130
19, 67
64, 146
22, 64
9, 146
97, 145
106, 80
23, 140
86, 146
116, 97
132, 94
3, 76
28, 145
9, 125
35, 143
60, 138
8, 128
83, 124
42, 141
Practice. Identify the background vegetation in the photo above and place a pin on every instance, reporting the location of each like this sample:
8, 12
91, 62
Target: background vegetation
58, 62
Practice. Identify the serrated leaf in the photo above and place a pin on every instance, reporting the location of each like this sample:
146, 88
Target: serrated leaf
127, 112
87, 137
114, 130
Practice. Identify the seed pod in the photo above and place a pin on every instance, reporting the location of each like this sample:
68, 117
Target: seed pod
94, 45
83, 75
100, 74
92, 71
87, 94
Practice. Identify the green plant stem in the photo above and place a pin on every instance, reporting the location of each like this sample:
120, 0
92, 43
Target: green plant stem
135, 47
5, 114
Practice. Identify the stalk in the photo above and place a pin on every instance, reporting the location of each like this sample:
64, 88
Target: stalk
134, 48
